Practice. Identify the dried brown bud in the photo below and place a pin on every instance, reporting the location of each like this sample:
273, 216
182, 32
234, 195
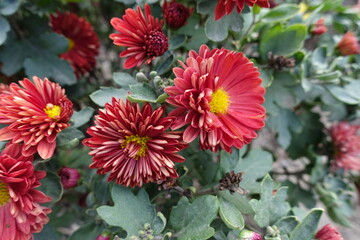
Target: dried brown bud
231, 182
279, 62
167, 184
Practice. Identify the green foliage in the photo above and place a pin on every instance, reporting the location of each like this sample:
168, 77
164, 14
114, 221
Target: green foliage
82, 117
280, 13
135, 209
192, 220
4, 29
105, 94
271, 206
51, 186
306, 229
230, 214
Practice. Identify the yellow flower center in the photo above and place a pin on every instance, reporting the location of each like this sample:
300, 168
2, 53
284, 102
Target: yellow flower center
219, 101
71, 44
142, 141
4, 194
53, 111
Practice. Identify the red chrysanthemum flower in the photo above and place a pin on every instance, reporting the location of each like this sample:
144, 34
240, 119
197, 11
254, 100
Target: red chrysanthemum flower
131, 144
69, 177
225, 7
328, 232
141, 34
346, 142
272, 3
21, 215
319, 27
175, 14
35, 113
349, 45
83, 41
219, 94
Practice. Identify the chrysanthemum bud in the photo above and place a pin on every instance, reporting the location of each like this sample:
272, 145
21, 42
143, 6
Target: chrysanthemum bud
69, 177
103, 236
349, 45
249, 235
328, 232
175, 14
319, 28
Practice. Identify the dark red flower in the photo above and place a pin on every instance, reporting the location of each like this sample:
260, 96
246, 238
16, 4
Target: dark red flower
346, 142
349, 45
219, 94
175, 14
83, 41
319, 27
35, 112
328, 232
21, 214
131, 143
69, 177
103, 237
272, 3
141, 34
226, 6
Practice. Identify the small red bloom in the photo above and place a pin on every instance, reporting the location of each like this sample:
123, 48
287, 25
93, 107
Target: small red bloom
249, 235
347, 145
69, 177
141, 34
328, 232
319, 27
35, 112
349, 45
219, 94
131, 144
103, 237
272, 3
20, 211
83, 41
226, 6
175, 14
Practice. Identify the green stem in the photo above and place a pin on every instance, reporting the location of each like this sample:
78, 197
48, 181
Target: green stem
243, 37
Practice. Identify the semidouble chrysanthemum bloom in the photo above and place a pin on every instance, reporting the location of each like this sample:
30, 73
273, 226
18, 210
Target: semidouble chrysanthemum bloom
83, 41
35, 112
219, 94
346, 140
141, 34
21, 214
328, 232
175, 14
131, 143
349, 45
225, 7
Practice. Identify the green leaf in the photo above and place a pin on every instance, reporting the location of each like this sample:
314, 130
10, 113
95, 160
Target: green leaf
218, 30
69, 137
230, 214
229, 160
287, 224
307, 228
126, 2
165, 66
142, 93
159, 223
136, 210
299, 195
9, 7
281, 41
319, 59
177, 41
48, 232
82, 117
123, 79
51, 186
4, 29
192, 220
255, 165
285, 122
196, 34
348, 94
88, 231
281, 13
105, 94
241, 202
270, 207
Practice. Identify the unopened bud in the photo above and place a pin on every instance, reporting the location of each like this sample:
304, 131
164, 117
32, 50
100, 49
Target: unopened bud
249, 235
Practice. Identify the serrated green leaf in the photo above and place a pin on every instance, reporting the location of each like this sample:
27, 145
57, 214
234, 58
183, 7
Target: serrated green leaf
123, 79
270, 207
82, 117
281, 13
230, 215
142, 93
287, 224
254, 166
105, 94
241, 202
281, 41
51, 186
192, 220
307, 228
132, 211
